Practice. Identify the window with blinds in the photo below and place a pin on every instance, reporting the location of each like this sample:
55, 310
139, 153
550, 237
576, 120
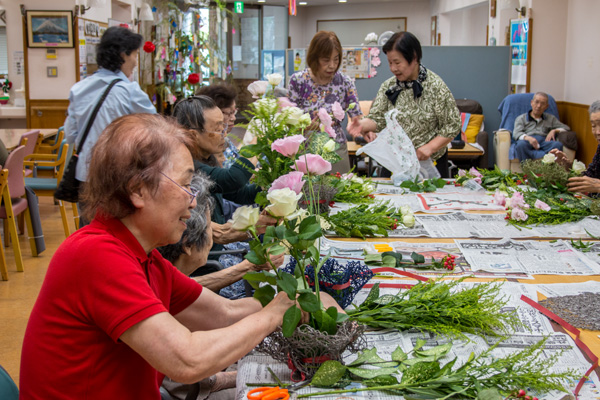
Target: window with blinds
3, 52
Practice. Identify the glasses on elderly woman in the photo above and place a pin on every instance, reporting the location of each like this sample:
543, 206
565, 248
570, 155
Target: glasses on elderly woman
228, 113
192, 192
219, 132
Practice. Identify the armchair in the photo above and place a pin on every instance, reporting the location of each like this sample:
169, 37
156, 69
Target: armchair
473, 107
510, 108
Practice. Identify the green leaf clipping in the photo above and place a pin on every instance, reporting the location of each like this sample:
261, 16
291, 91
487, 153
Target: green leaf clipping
328, 374
291, 318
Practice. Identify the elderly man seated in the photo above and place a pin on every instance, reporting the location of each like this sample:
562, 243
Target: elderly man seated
536, 132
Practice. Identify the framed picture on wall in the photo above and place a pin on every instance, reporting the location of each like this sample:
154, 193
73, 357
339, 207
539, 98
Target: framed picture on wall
49, 28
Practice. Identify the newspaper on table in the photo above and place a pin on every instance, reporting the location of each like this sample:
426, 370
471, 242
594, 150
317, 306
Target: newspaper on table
389, 188
527, 256
253, 368
447, 201
568, 289
464, 225
575, 230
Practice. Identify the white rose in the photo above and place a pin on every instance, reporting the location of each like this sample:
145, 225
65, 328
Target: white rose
405, 210
258, 88
549, 159
304, 120
408, 220
283, 202
244, 217
369, 187
578, 167
293, 115
357, 179
274, 79
329, 146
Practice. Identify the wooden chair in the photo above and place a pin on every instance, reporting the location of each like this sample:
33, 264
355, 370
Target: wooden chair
3, 186
30, 141
15, 203
54, 146
47, 186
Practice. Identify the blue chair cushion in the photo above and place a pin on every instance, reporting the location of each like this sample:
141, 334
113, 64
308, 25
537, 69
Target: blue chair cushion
41, 183
8, 388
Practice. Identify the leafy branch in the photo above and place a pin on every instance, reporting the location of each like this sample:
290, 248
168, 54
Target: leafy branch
427, 185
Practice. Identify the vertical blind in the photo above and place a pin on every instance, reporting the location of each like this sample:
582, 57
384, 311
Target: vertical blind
3, 51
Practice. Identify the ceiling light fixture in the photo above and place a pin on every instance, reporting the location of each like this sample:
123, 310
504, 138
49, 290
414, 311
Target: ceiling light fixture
261, 1
302, 3
342, 1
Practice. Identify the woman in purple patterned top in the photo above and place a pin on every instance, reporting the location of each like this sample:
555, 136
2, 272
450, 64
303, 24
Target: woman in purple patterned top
321, 85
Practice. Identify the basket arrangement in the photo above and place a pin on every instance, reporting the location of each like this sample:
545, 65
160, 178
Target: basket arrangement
308, 348
340, 281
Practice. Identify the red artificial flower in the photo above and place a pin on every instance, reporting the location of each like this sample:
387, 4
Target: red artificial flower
371, 196
193, 78
149, 47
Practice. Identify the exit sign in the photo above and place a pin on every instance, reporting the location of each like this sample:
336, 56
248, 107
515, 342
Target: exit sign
238, 7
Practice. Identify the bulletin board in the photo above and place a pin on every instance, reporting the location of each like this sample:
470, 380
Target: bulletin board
88, 37
520, 47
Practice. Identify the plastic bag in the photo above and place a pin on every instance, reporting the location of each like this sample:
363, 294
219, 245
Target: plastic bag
394, 150
428, 170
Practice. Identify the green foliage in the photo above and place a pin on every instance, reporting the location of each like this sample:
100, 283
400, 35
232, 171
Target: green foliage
440, 307
427, 185
542, 175
564, 207
496, 178
317, 146
425, 377
364, 221
353, 191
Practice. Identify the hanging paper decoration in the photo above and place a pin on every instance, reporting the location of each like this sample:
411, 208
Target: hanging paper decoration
292, 7
149, 47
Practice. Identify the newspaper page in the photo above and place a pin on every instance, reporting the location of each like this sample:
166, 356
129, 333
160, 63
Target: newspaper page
464, 225
574, 230
390, 188
444, 201
568, 289
529, 257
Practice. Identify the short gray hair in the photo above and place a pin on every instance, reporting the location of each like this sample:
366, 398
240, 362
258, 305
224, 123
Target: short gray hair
543, 95
595, 107
196, 233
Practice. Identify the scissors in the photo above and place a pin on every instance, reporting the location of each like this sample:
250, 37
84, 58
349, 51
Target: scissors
275, 393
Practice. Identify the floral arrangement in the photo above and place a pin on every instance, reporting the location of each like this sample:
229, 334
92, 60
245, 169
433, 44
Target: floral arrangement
545, 173
424, 376
496, 178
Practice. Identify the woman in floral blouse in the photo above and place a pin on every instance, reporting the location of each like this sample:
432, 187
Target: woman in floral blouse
427, 110
321, 85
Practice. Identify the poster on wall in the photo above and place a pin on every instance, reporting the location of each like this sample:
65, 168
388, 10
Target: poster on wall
356, 62
519, 35
299, 59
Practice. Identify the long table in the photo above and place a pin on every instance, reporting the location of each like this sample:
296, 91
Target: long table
12, 137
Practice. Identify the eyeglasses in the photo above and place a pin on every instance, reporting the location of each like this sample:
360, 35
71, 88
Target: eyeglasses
221, 132
230, 114
192, 192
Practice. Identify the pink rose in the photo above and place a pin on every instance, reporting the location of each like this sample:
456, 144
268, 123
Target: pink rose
499, 198
325, 117
518, 214
330, 131
312, 164
462, 172
541, 205
288, 146
292, 180
473, 171
338, 111
517, 201
478, 180
284, 102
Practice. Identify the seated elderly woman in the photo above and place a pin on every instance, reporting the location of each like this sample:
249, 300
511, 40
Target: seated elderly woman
113, 317
201, 115
192, 250
590, 181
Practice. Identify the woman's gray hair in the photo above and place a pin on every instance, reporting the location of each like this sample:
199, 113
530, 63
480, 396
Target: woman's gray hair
196, 233
595, 107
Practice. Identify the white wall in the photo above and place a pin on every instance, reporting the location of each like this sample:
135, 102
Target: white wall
467, 27
582, 55
304, 25
549, 46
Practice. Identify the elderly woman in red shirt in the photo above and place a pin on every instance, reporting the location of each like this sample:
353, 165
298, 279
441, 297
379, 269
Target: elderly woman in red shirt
113, 317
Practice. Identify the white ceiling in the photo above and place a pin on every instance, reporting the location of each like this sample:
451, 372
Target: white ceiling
314, 2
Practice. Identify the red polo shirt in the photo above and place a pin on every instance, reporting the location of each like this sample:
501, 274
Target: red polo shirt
99, 283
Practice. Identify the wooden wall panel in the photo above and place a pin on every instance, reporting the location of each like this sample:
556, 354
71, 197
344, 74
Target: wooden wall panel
577, 117
47, 113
